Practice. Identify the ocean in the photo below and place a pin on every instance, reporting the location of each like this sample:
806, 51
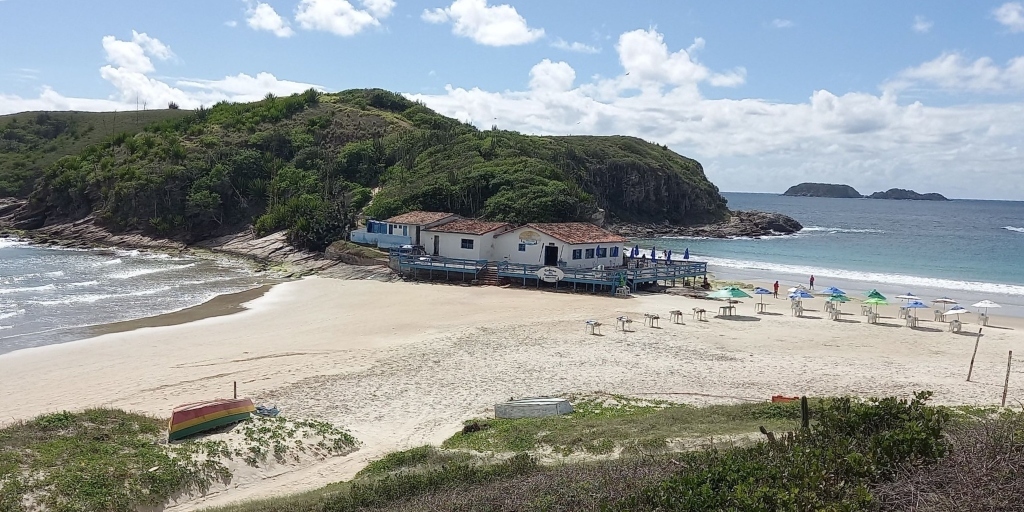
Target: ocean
967, 250
50, 295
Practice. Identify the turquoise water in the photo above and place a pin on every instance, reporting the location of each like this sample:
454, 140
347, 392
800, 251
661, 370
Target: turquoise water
965, 249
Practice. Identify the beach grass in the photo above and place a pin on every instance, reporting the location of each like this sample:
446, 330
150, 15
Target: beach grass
112, 460
605, 424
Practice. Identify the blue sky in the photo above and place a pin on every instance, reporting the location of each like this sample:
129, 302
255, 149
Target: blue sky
919, 94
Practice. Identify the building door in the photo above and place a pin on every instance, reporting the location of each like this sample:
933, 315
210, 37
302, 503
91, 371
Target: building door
550, 256
417, 235
437, 244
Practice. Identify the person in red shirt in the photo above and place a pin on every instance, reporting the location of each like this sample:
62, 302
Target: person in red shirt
812, 281
776, 289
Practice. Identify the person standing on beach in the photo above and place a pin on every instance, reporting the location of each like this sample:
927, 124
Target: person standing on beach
776, 289
812, 281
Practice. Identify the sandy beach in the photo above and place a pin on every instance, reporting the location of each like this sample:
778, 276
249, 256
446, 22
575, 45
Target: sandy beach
402, 364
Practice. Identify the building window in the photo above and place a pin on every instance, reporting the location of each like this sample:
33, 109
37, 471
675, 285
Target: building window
577, 254
615, 252
522, 247
467, 243
590, 254
602, 252
391, 229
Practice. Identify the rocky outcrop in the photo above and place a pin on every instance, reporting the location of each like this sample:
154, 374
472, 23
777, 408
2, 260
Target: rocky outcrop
902, 193
822, 190
740, 224
86, 233
353, 254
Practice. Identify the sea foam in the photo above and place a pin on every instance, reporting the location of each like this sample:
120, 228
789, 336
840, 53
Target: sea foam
870, 277
146, 271
1012, 228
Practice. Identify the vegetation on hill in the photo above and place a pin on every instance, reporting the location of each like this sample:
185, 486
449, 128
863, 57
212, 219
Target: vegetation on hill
32, 141
822, 190
311, 162
889, 454
111, 460
902, 193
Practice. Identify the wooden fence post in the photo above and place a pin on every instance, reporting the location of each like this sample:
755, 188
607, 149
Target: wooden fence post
236, 388
971, 369
1006, 383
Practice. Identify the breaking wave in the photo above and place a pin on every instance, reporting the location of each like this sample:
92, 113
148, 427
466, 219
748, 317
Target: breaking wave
839, 230
1011, 228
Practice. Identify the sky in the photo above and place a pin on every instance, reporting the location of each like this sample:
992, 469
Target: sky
922, 94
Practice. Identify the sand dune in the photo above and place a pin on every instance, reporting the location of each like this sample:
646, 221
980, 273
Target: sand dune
403, 364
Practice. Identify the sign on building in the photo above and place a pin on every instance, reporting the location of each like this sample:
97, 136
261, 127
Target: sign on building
550, 274
529, 237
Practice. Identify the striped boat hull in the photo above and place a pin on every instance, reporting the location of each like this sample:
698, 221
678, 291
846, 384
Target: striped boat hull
190, 419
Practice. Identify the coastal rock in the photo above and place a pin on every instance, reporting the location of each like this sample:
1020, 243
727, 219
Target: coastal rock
822, 190
748, 224
902, 193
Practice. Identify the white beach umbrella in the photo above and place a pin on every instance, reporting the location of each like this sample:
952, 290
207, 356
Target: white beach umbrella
958, 310
797, 287
944, 301
908, 296
985, 304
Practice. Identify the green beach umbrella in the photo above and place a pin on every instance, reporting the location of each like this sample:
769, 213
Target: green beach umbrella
873, 294
731, 292
839, 298
877, 301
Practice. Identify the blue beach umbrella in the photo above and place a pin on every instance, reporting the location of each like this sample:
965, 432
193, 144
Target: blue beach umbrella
686, 254
800, 294
636, 251
668, 256
832, 290
762, 292
652, 253
916, 304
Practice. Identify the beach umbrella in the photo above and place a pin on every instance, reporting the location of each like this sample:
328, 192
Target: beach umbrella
686, 254
873, 294
985, 304
652, 253
832, 290
796, 288
909, 297
730, 292
636, 251
800, 294
916, 304
839, 298
944, 301
956, 310
762, 292
876, 301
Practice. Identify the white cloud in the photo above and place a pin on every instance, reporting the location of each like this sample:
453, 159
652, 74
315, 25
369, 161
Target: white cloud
261, 16
647, 61
231, 23
340, 17
1011, 14
574, 46
491, 25
781, 23
135, 54
552, 76
872, 141
921, 25
130, 75
954, 72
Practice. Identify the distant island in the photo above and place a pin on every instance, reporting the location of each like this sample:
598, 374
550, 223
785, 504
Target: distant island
846, 191
901, 193
822, 190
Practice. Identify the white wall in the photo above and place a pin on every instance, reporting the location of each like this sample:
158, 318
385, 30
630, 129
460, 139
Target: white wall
506, 248
450, 245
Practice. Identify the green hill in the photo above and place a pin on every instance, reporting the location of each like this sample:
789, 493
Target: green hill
32, 141
311, 162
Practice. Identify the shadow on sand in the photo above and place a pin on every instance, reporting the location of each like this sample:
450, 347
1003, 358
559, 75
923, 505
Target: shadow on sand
739, 318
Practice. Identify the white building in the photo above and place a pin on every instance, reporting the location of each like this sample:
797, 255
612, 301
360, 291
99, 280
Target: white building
411, 224
562, 244
463, 239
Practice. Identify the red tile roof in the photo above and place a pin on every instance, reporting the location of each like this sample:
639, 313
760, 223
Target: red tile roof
419, 218
469, 226
578, 233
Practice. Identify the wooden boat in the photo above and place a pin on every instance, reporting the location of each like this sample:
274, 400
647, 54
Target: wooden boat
198, 417
780, 398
